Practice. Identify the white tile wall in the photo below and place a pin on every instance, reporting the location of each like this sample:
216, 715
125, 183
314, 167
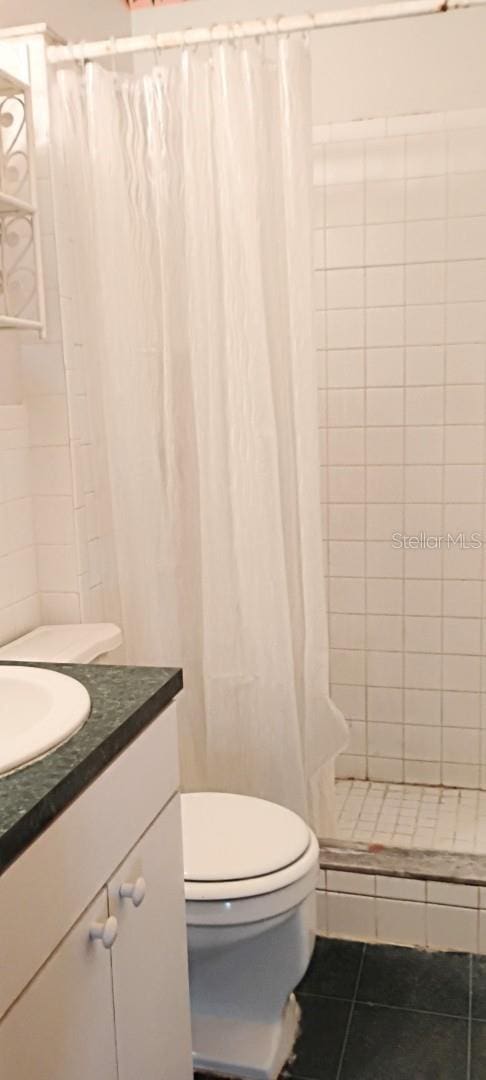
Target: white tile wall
65, 520
50, 554
400, 265
84, 555
44, 379
402, 911
18, 581
19, 605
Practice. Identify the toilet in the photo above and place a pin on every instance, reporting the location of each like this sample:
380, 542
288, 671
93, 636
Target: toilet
250, 873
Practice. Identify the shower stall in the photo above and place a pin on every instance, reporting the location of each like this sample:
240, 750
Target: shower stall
400, 275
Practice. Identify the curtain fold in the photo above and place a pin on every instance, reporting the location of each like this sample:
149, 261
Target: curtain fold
187, 195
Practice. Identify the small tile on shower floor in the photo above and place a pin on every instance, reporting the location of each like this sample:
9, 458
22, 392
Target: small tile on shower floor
408, 815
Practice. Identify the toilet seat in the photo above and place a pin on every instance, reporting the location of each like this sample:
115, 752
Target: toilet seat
257, 900
237, 847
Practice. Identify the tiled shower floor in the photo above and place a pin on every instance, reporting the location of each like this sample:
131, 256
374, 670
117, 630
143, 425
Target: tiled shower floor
401, 815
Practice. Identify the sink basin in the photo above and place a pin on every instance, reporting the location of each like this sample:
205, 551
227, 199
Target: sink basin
39, 710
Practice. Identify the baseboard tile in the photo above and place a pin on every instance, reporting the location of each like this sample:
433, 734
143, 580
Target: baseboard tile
401, 911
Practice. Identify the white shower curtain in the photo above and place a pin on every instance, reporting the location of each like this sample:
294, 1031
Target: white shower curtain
187, 195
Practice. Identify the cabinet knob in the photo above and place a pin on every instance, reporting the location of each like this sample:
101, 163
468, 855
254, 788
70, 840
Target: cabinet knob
106, 932
134, 891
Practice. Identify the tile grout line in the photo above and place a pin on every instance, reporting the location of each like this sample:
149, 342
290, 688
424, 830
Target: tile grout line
327, 558
406, 1009
482, 634
469, 1021
384, 1004
351, 1013
444, 322
366, 588
405, 475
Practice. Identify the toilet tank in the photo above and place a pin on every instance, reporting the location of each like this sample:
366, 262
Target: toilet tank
75, 643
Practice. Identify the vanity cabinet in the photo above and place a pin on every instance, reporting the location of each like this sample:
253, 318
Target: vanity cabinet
94, 959
149, 979
63, 1024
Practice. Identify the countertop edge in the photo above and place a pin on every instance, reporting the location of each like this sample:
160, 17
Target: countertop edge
33, 823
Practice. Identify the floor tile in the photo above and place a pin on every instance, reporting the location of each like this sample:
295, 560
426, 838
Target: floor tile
318, 1049
478, 1050
413, 979
479, 987
392, 1044
333, 969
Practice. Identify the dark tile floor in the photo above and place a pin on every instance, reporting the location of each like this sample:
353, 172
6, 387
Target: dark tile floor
379, 1012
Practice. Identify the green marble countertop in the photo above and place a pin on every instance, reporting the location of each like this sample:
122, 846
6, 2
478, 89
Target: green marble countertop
124, 700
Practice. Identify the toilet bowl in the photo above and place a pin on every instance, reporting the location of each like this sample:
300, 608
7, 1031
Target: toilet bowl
250, 870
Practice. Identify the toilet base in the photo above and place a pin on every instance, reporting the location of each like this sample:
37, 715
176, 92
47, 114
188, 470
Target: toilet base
245, 1050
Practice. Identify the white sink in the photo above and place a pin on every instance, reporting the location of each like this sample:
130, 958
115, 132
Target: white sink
39, 710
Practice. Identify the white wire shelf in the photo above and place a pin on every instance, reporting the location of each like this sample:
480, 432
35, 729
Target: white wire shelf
10, 204
22, 303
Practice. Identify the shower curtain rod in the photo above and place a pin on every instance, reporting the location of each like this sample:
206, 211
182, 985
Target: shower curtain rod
287, 24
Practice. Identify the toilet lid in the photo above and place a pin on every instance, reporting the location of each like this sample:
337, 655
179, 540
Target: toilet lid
236, 837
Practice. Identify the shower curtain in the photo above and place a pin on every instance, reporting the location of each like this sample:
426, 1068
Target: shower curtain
186, 193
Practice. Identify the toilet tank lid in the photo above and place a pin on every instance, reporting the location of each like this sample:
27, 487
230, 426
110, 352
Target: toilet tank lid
236, 837
77, 643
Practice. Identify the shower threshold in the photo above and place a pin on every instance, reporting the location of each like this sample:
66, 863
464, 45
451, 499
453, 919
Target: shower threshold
360, 858
408, 830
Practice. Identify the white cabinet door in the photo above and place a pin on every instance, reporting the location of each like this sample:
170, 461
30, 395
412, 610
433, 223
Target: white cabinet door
62, 1027
150, 979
